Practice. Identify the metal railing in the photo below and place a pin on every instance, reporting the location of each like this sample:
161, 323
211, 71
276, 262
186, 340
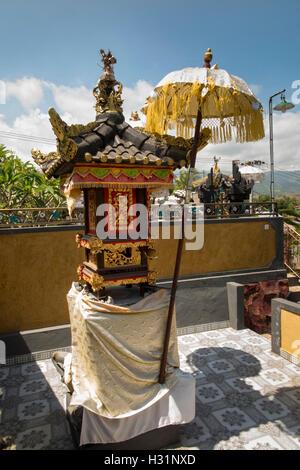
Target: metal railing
292, 250
45, 216
239, 209
216, 210
39, 217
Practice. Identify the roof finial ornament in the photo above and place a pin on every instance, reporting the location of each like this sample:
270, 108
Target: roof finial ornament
108, 61
108, 99
134, 116
207, 59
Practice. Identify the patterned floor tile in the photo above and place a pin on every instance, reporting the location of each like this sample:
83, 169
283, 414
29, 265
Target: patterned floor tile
240, 385
294, 435
263, 443
33, 409
246, 397
4, 372
271, 408
33, 386
34, 439
209, 393
194, 432
33, 368
220, 366
274, 376
229, 344
293, 368
294, 395
233, 419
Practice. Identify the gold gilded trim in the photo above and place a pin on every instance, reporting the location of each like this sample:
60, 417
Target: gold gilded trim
115, 259
123, 282
151, 278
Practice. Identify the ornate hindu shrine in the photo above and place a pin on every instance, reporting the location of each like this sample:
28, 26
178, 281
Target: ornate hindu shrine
218, 188
115, 166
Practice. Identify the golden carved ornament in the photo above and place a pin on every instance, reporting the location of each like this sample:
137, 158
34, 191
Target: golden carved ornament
96, 282
150, 251
63, 130
96, 245
168, 139
41, 158
108, 99
134, 116
103, 158
108, 61
124, 282
114, 259
180, 141
78, 238
151, 278
88, 157
203, 139
66, 147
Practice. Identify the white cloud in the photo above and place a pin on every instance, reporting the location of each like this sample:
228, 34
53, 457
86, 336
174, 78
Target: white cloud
134, 98
286, 145
76, 105
35, 123
28, 90
257, 89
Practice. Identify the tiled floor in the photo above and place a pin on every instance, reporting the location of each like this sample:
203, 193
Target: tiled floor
246, 397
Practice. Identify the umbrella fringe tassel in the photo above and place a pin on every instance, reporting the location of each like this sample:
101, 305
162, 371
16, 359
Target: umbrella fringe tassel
170, 110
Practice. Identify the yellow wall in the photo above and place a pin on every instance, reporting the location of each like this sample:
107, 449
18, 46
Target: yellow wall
37, 269
290, 332
227, 247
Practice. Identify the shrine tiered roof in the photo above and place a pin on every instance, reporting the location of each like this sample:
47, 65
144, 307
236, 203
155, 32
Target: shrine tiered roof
112, 141
108, 139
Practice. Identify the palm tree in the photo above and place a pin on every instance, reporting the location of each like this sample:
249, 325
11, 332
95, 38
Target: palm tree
181, 179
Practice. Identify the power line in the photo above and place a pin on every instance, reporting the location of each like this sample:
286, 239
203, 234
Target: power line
288, 173
27, 138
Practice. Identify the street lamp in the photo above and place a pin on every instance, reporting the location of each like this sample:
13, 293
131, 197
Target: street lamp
282, 106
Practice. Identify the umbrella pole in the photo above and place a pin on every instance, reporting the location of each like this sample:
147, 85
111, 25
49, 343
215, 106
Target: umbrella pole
162, 373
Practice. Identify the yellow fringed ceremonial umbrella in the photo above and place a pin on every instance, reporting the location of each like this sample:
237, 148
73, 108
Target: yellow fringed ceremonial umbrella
228, 106
223, 105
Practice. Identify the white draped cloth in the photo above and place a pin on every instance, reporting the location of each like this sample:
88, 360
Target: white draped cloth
176, 407
116, 353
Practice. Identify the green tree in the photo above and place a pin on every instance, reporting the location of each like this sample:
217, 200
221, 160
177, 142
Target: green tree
22, 185
181, 178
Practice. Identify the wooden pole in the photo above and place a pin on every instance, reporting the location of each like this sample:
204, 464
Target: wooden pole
163, 363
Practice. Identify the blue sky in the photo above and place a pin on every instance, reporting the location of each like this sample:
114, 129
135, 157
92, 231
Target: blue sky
58, 43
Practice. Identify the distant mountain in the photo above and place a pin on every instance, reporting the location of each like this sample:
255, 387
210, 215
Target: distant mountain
285, 182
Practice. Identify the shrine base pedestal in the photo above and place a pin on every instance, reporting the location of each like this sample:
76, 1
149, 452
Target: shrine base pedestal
155, 427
